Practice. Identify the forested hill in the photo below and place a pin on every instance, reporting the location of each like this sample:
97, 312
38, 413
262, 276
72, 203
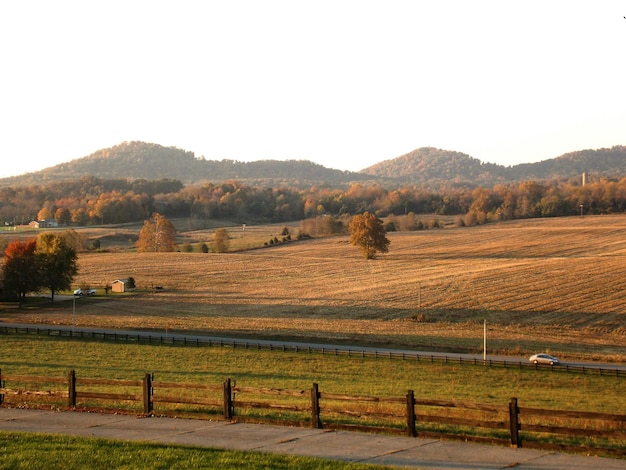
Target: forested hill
430, 166
609, 162
140, 160
425, 167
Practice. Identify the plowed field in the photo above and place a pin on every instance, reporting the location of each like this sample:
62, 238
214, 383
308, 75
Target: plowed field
545, 284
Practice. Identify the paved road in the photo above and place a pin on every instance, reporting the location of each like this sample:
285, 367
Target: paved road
346, 446
302, 345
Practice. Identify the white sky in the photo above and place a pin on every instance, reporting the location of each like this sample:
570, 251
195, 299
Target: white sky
342, 83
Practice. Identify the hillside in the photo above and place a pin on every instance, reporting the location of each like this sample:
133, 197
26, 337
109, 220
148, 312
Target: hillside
609, 162
431, 166
539, 283
140, 160
426, 167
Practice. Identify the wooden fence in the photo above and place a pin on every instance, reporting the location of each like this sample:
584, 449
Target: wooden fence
153, 338
505, 424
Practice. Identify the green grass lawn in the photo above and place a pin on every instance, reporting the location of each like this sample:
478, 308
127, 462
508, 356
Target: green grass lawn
36, 451
276, 370
44, 356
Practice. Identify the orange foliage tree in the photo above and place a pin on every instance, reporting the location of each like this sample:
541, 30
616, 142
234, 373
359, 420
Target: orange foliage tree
368, 233
21, 270
157, 235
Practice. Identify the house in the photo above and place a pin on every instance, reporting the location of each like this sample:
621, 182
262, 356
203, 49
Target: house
43, 224
120, 285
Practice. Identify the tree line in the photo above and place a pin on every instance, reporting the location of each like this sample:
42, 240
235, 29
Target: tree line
96, 201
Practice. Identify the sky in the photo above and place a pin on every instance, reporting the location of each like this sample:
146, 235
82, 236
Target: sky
342, 83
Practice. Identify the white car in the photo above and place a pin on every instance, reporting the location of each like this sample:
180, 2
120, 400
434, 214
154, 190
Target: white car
85, 292
544, 359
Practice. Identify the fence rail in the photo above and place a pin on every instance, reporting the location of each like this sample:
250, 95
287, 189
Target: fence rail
579, 431
156, 339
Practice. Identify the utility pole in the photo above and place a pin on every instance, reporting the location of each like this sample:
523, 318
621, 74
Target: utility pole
73, 312
419, 297
485, 340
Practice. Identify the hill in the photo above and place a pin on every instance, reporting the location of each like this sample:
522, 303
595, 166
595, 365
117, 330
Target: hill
608, 162
426, 167
431, 166
140, 160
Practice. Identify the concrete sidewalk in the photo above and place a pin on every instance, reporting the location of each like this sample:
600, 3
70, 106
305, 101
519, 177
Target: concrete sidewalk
347, 446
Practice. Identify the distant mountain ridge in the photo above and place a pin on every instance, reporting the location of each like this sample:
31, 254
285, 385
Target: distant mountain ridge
427, 166
141, 160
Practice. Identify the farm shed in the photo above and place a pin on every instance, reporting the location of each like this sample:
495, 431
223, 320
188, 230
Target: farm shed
120, 285
43, 224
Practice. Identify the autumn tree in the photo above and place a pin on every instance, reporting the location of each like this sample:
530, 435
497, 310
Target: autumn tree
45, 213
57, 262
62, 216
368, 233
21, 270
75, 240
157, 235
221, 240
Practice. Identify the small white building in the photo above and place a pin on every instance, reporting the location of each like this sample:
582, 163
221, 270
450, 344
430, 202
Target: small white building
43, 224
120, 285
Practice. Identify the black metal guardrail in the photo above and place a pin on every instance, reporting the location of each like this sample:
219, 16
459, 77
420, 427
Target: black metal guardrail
147, 338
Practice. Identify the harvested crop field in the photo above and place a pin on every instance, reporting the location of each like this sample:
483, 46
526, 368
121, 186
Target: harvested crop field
542, 284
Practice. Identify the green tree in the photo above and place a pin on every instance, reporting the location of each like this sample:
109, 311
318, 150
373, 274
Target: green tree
221, 240
157, 235
57, 262
21, 270
368, 233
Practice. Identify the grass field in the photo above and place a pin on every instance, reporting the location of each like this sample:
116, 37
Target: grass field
252, 370
556, 285
53, 357
36, 451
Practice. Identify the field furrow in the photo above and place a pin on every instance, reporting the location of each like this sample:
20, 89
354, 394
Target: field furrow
564, 278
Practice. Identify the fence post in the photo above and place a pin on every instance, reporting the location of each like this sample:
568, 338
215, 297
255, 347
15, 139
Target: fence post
228, 400
147, 394
410, 414
316, 422
71, 389
514, 423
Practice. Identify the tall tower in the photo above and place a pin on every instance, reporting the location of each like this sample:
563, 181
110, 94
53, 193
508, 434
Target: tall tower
584, 178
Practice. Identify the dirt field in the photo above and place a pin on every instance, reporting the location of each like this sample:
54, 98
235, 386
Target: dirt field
545, 284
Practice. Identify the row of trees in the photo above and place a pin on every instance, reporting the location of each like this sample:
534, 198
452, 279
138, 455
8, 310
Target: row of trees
158, 234
47, 261
76, 204
367, 232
